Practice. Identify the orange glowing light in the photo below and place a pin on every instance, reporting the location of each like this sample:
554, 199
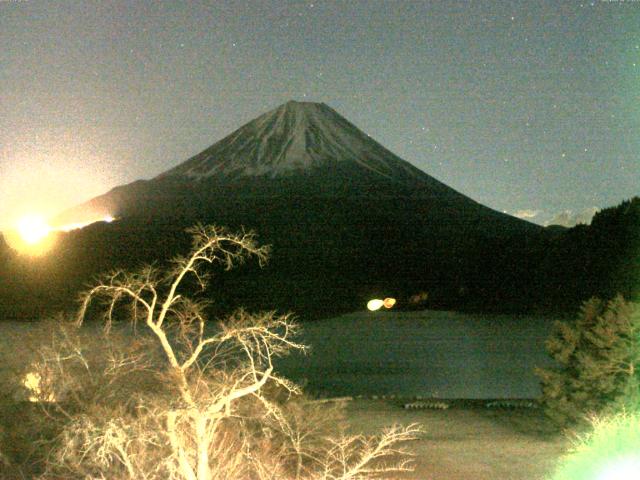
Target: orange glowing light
32, 235
389, 302
33, 229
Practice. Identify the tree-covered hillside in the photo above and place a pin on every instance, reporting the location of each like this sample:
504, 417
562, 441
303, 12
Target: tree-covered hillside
315, 271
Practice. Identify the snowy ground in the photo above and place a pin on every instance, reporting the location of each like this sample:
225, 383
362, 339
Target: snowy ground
428, 354
468, 443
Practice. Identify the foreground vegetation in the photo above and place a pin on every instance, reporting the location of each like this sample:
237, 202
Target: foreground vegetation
319, 273
598, 363
174, 403
171, 397
594, 392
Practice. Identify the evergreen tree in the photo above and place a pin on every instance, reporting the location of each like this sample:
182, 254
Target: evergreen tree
598, 358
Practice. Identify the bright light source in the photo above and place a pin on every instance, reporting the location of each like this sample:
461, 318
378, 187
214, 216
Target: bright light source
32, 234
626, 469
375, 304
610, 451
389, 302
33, 229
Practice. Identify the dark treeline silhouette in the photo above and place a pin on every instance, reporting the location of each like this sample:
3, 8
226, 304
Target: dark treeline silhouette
315, 272
602, 259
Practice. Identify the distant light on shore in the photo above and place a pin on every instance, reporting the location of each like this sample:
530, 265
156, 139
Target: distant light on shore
375, 304
389, 302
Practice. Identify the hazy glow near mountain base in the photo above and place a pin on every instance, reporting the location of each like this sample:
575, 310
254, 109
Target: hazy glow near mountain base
33, 228
34, 236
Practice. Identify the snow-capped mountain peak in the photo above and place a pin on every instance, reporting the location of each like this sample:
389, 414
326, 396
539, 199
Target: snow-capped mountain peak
294, 137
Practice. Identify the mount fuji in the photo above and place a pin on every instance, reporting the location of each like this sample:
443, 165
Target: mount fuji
297, 149
347, 220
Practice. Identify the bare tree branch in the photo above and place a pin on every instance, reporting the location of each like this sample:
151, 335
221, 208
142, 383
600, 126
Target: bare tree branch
212, 416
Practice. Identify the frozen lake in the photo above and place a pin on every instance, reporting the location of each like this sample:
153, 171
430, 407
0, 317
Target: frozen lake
429, 353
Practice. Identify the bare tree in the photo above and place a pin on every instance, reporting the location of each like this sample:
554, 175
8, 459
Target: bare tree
220, 411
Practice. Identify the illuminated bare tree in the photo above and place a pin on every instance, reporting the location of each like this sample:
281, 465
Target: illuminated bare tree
222, 414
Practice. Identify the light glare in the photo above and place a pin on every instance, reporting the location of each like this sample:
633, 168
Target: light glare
627, 469
375, 304
34, 236
33, 229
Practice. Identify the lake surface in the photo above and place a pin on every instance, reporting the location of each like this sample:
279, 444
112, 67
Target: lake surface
429, 354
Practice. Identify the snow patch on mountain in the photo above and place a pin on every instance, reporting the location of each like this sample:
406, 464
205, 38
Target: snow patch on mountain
295, 137
569, 218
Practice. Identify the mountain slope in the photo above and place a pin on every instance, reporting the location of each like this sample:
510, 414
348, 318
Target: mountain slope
347, 219
299, 149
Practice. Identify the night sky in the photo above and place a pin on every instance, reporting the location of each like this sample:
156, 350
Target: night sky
529, 107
